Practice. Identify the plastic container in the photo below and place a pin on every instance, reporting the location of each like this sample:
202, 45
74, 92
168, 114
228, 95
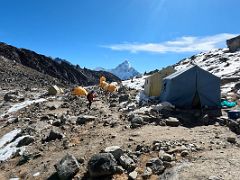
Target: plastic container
234, 114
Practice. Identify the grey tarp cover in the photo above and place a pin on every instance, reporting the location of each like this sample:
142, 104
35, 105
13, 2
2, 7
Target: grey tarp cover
181, 87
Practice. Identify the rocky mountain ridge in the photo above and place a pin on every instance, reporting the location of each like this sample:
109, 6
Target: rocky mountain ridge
46, 65
14, 75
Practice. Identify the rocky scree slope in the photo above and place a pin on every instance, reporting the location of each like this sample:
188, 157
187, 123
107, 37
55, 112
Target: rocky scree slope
46, 65
14, 75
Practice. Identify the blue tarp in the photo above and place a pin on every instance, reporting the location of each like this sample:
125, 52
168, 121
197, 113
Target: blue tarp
228, 104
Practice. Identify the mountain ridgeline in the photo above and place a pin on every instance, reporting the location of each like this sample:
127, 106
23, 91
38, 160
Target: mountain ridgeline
60, 69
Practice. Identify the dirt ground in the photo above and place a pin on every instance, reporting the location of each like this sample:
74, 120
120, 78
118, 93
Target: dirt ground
216, 159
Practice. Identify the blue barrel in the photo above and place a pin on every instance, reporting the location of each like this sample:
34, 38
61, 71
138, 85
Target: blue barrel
234, 114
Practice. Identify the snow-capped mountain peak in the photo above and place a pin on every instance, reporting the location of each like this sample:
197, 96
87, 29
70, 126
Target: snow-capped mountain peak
126, 64
123, 71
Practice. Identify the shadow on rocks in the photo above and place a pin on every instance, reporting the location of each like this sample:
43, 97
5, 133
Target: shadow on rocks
54, 176
87, 177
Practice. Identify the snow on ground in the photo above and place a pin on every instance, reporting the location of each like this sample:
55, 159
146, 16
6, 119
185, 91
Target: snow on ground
227, 87
141, 97
136, 83
21, 105
36, 174
11, 149
9, 137
24, 104
8, 146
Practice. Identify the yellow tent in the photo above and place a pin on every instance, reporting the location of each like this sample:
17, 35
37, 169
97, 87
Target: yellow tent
153, 83
54, 90
80, 91
102, 78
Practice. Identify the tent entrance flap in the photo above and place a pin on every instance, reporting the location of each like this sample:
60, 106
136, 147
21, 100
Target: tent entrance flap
196, 103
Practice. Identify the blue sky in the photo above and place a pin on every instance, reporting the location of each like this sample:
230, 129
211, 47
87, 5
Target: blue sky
150, 34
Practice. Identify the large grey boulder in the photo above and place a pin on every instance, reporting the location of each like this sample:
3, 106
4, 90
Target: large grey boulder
237, 86
233, 44
116, 151
52, 135
165, 156
137, 122
67, 167
123, 98
84, 119
10, 96
173, 122
156, 166
231, 139
26, 140
103, 164
127, 162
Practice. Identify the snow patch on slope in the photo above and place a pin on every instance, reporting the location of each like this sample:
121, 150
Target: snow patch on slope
219, 62
136, 83
8, 146
21, 105
9, 137
11, 149
24, 104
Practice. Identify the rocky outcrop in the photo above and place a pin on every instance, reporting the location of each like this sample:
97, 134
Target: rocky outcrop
102, 164
67, 167
234, 44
